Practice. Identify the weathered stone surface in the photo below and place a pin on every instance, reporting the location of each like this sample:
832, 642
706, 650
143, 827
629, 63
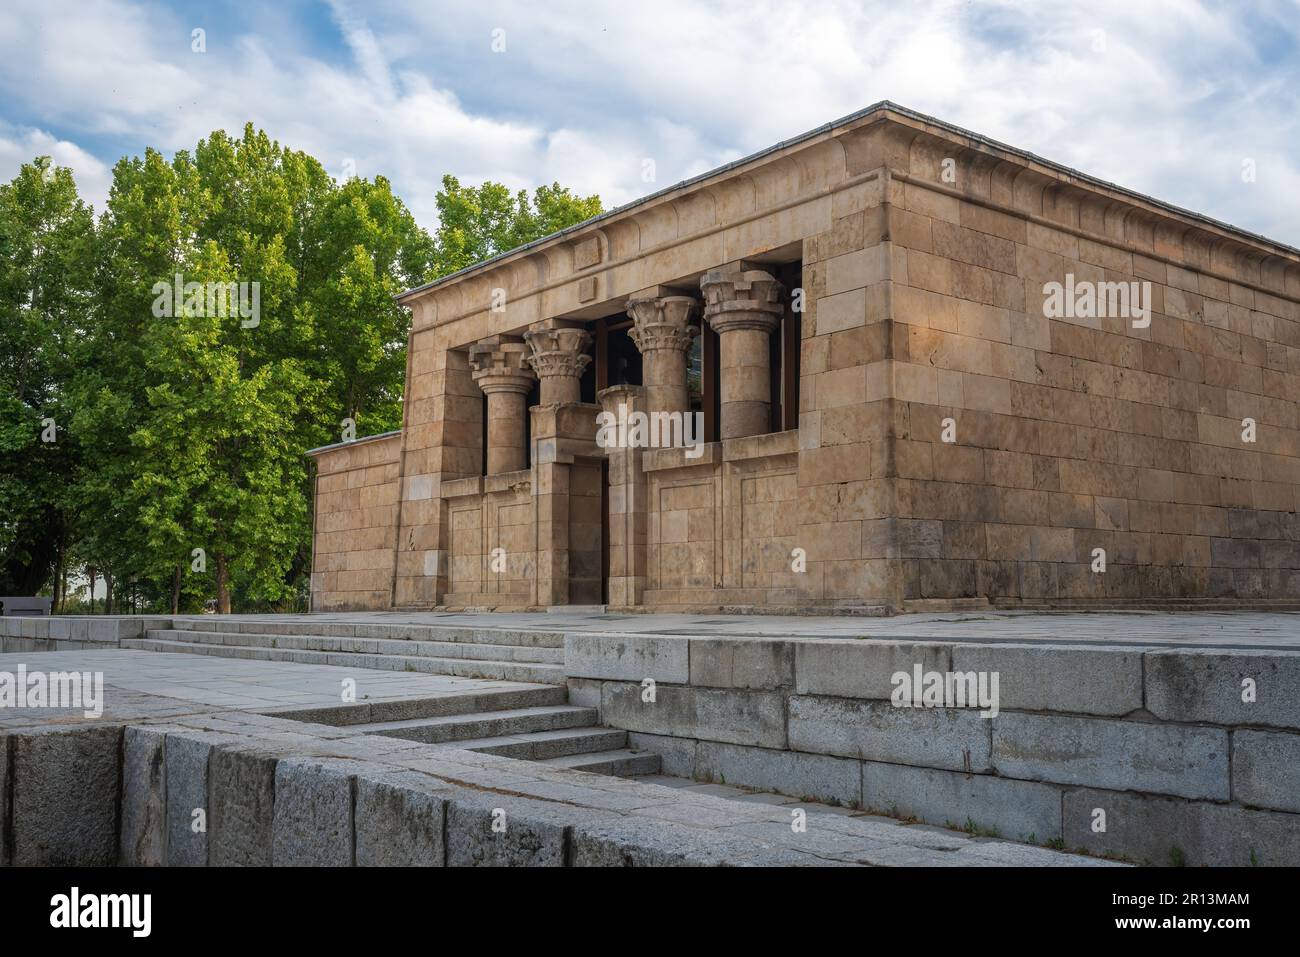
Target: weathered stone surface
312, 815
65, 797
862, 668
676, 755
144, 800
718, 662
1266, 769
523, 834
641, 842
627, 657
715, 714
876, 730
810, 777
241, 789
1124, 755
187, 792
584, 692
1101, 681
1191, 684
399, 823
1163, 831
1015, 809
6, 757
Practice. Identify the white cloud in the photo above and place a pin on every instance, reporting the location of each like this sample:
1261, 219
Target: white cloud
1178, 95
19, 146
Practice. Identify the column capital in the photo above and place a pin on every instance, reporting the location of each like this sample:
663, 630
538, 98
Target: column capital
558, 352
498, 365
663, 322
741, 299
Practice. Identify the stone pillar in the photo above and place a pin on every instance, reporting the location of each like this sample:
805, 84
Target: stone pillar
743, 306
506, 380
559, 357
662, 332
628, 491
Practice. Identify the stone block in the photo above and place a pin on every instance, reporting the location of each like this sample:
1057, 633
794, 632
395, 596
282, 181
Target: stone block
186, 769
311, 815
715, 714
1016, 809
627, 657
1098, 681
677, 755
6, 758
956, 739
809, 777
506, 832
862, 668
1164, 831
584, 692
1266, 770
741, 663
399, 822
1124, 755
144, 800
65, 797
1207, 685
241, 802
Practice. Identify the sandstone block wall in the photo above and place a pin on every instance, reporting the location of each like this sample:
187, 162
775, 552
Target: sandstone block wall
356, 525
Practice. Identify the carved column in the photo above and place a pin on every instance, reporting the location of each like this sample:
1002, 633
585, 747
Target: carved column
559, 358
662, 332
743, 306
505, 378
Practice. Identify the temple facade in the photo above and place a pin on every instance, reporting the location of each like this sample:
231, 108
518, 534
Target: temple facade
905, 367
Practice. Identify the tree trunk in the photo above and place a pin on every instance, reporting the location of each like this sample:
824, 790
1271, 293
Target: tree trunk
176, 589
223, 586
108, 593
91, 573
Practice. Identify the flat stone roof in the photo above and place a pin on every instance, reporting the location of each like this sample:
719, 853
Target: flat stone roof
856, 118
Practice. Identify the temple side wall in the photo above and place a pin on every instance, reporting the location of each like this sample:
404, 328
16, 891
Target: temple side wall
356, 525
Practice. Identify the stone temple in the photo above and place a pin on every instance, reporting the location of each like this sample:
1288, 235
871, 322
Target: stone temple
932, 372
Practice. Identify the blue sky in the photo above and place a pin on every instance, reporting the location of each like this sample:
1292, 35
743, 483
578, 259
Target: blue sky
1169, 98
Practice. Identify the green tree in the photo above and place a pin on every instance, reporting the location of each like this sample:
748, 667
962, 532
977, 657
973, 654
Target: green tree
46, 245
477, 223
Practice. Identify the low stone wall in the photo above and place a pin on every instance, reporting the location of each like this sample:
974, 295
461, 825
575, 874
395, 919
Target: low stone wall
242, 789
1157, 745
72, 632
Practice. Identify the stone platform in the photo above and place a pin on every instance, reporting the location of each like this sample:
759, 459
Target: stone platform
283, 772
1152, 737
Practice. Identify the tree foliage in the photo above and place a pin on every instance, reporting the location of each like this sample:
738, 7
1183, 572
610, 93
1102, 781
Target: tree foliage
183, 414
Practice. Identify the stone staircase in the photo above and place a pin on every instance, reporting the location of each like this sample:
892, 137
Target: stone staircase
559, 735
499, 654
529, 723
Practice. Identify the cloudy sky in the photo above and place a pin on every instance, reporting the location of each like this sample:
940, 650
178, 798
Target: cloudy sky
1168, 97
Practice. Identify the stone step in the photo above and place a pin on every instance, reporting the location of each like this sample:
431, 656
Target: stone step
369, 646
623, 763
460, 667
546, 745
401, 631
397, 711
484, 724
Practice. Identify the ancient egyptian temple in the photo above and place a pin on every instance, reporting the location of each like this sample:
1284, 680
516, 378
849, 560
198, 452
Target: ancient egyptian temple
907, 368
